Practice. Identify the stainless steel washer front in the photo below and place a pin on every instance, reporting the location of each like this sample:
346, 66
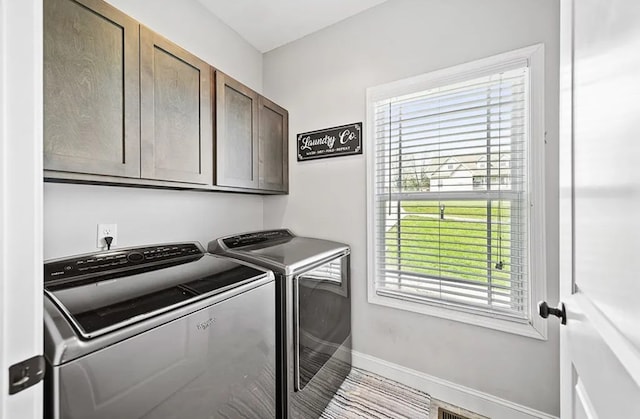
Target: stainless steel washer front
163, 332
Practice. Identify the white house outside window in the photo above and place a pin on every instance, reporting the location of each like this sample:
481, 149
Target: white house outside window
455, 192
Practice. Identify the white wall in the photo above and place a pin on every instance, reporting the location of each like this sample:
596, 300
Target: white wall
322, 79
144, 216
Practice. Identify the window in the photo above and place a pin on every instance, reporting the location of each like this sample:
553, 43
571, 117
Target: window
480, 182
466, 241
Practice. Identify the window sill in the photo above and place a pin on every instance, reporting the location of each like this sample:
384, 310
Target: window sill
532, 329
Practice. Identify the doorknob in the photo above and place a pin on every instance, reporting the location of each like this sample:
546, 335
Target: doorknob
544, 310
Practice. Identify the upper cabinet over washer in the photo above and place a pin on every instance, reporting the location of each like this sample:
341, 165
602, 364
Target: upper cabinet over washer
175, 112
91, 89
123, 105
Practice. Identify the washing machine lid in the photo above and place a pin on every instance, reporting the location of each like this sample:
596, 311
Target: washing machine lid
279, 250
101, 292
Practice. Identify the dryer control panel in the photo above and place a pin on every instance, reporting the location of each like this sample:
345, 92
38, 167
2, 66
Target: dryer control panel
255, 238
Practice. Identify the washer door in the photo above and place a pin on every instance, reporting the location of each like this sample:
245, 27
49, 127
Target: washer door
322, 317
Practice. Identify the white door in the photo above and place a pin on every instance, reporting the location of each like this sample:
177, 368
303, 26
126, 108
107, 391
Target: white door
600, 208
20, 199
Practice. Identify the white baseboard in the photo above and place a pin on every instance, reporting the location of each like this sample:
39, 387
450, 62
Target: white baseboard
465, 397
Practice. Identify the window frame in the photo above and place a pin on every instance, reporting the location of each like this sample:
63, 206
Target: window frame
535, 327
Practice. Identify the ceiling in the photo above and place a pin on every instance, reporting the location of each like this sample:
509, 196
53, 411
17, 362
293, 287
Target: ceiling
268, 24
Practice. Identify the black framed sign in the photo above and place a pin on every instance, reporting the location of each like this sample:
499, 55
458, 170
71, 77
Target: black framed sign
331, 142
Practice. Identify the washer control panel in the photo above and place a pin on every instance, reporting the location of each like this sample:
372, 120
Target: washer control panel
101, 262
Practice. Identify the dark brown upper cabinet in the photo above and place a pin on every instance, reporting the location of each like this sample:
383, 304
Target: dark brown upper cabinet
91, 95
273, 134
236, 134
251, 138
175, 112
123, 105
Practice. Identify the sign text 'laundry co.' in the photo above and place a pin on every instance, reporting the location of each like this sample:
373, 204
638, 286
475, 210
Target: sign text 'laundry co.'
331, 142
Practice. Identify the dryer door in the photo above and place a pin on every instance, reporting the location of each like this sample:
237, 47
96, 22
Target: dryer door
322, 317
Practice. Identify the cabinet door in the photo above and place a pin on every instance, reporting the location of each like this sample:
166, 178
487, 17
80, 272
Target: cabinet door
175, 114
273, 129
236, 133
91, 89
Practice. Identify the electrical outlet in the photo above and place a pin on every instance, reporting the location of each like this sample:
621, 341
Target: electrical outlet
107, 230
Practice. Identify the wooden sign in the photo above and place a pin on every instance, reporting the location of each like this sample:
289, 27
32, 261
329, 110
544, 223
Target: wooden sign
331, 142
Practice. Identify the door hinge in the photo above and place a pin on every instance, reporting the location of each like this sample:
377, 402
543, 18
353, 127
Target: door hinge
26, 373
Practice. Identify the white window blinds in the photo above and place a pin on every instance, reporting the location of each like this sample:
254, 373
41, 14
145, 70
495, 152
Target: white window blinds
451, 195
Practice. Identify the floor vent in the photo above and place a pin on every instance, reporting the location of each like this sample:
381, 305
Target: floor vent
444, 410
446, 414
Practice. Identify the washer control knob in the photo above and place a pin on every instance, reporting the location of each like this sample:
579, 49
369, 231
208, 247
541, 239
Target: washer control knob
135, 257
